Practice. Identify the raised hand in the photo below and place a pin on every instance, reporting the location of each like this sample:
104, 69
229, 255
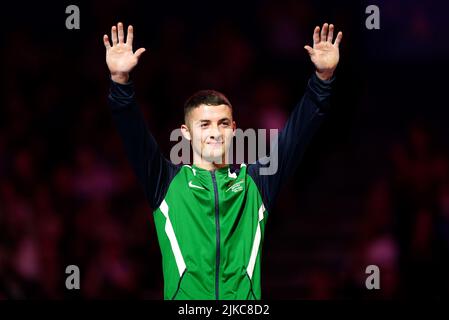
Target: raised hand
120, 57
324, 54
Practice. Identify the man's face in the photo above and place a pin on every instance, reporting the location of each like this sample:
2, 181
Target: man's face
210, 130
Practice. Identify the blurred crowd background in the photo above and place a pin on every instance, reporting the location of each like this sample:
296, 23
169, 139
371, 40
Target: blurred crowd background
373, 188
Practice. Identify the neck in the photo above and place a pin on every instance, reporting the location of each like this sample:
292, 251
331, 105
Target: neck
209, 165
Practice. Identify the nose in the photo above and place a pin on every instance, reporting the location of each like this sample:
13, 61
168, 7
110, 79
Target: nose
215, 132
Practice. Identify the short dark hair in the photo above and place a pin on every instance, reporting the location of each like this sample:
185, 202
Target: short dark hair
207, 97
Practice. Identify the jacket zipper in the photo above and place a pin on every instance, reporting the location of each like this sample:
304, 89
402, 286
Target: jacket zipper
217, 226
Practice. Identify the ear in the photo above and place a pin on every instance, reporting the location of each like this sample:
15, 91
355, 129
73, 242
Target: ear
186, 132
234, 127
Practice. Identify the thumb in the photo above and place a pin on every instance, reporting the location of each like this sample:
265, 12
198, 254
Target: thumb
309, 49
139, 52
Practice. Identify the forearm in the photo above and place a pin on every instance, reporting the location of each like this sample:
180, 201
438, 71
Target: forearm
319, 91
302, 124
293, 140
140, 146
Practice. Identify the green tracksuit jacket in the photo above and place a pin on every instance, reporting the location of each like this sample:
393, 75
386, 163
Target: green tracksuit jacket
211, 224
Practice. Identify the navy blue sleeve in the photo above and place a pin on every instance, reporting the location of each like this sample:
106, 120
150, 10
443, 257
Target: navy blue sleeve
152, 169
292, 140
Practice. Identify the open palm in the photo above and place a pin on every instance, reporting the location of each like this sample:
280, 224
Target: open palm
325, 54
120, 57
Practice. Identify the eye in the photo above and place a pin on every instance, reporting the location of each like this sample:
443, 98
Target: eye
204, 125
225, 124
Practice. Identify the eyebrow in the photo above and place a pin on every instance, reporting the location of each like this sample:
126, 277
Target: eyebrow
207, 120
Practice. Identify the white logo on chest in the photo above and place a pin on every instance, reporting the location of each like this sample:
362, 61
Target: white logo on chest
236, 187
191, 185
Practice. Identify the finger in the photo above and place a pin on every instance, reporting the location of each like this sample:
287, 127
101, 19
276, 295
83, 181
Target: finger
139, 52
316, 35
106, 41
324, 32
121, 35
130, 36
338, 39
330, 34
309, 49
114, 35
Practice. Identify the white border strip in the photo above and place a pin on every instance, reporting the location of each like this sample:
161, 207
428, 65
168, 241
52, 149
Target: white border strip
256, 244
173, 242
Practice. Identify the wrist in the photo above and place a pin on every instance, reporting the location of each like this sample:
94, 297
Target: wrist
120, 77
324, 75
